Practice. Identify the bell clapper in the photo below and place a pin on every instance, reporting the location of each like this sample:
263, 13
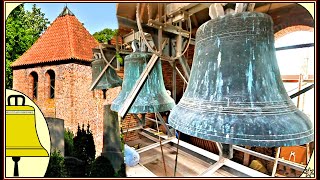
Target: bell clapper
16, 168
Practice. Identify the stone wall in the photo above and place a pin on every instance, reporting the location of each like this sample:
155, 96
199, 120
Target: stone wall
56, 130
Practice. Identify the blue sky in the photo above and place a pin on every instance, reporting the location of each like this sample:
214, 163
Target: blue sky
95, 16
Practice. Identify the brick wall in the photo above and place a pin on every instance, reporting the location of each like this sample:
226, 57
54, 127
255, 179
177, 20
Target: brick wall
73, 101
291, 29
294, 15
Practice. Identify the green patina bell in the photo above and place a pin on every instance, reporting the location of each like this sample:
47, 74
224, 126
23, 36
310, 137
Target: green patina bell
109, 79
235, 93
152, 96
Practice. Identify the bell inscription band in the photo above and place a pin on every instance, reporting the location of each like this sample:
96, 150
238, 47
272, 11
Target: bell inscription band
235, 94
152, 96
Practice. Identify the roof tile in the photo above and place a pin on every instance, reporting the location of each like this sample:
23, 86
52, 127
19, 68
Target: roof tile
66, 38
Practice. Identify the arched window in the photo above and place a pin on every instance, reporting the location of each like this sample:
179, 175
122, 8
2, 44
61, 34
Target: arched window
34, 85
51, 83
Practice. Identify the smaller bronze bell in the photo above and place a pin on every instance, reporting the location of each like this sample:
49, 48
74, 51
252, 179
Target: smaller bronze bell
152, 96
109, 79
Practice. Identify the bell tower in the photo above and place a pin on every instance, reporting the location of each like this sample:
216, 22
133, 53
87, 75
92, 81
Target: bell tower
55, 73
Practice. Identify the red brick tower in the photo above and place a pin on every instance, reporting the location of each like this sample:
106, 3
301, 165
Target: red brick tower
55, 72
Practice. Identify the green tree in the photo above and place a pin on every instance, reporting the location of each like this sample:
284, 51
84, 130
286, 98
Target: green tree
102, 167
56, 167
23, 28
68, 143
105, 35
84, 147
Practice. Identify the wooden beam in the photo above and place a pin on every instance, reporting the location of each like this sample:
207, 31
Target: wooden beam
94, 84
208, 172
195, 20
185, 67
168, 28
308, 152
290, 164
139, 171
198, 8
154, 145
128, 38
275, 165
143, 7
133, 129
138, 85
164, 124
229, 163
246, 157
272, 6
174, 81
173, 8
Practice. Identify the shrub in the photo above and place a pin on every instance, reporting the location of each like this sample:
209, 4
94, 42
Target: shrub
102, 167
56, 166
122, 171
68, 143
84, 147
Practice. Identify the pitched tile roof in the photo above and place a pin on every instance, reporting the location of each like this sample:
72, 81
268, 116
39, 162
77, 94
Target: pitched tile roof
66, 38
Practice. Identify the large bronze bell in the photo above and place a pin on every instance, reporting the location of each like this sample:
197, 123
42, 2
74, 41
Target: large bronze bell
235, 93
152, 96
109, 79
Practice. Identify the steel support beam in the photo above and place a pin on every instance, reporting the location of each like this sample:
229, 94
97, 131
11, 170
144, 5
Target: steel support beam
295, 46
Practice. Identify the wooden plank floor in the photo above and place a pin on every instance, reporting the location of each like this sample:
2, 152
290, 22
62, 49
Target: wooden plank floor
188, 165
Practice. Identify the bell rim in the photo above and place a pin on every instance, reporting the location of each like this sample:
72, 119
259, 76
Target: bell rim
177, 121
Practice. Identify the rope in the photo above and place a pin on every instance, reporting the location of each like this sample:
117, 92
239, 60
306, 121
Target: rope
153, 100
164, 163
176, 160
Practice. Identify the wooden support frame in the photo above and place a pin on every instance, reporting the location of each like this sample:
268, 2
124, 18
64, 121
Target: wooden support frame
94, 84
275, 165
205, 153
185, 67
174, 82
227, 162
154, 145
159, 25
134, 92
164, 124
213, 168
138, 85
269, 158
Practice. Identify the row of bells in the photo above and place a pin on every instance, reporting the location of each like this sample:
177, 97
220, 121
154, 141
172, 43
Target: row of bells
235, 94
